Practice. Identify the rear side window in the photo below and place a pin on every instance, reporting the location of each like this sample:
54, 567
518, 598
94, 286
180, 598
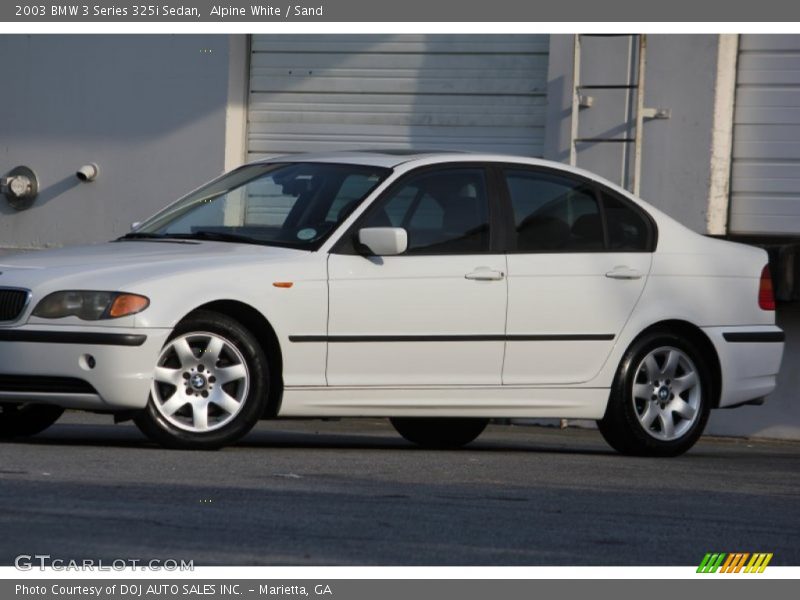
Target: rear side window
627, 229
553, 213
556, 213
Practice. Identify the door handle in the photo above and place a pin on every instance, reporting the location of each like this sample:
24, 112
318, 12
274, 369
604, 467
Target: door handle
623, 272
485, 274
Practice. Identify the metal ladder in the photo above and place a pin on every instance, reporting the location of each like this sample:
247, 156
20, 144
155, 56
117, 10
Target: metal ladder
579, 101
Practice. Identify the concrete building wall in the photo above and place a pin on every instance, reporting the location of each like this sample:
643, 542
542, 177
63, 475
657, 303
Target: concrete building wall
149, 110
676, 151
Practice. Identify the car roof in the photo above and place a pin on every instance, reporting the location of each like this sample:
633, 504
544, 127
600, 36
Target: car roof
412, 158
391, 158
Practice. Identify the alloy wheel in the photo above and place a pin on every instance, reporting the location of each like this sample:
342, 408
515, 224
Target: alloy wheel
667, 393
200, 382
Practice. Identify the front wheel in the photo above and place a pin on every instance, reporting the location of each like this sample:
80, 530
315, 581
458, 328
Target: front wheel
439, 432
661, 397
24, 420
210, 385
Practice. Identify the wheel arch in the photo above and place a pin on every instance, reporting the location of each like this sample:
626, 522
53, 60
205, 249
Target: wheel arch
704, 345
255, 321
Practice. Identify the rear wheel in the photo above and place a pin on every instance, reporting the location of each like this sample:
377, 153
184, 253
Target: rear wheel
23, 420
210, 385
661, 397
439, 432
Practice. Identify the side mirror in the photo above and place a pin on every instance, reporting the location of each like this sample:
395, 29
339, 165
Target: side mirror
384, 241
135, 225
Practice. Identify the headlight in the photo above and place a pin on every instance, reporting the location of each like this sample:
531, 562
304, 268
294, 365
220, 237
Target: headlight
90, 305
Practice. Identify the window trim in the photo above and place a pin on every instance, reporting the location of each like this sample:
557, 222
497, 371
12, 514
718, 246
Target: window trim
597, 189
346, 244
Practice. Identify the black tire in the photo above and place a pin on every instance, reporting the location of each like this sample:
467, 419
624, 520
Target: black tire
24, 420
437, 432
158, 428
623, 425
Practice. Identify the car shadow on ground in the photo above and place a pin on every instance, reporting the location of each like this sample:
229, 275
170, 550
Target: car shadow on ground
124, 436
376, 435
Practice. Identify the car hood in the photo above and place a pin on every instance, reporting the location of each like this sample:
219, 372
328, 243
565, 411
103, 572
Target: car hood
128, 261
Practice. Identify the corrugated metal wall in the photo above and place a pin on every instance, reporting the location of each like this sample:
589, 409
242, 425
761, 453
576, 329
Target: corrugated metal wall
467, 92
765, 183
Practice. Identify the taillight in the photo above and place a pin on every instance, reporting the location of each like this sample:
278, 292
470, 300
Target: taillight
766, 295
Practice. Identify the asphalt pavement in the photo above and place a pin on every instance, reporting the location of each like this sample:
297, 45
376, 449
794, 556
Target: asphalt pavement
353, 492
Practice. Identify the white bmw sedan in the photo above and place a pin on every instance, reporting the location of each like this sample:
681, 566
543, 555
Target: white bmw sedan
438, 290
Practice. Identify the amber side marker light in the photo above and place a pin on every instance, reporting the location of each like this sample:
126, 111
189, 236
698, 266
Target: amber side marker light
283, 284
127, 304
766, 294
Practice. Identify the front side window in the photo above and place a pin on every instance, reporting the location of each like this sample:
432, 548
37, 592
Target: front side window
444, 211
553, 213
288, 204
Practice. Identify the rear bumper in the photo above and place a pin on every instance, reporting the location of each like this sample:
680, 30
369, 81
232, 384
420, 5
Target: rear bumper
750, 358
49, 365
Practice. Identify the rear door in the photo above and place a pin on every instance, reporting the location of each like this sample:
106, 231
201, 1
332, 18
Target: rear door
578, 261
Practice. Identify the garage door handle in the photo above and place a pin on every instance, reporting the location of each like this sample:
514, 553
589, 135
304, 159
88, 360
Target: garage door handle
624, 273
485, 274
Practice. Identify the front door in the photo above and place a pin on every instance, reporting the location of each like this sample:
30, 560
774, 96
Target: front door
434, 315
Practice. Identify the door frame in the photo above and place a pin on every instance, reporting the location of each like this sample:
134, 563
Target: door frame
501, 212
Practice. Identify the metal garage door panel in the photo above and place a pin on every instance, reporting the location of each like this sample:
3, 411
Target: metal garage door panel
765, 42
428, 61
387, 82
765, 185
403, 43
371, 109
397, 91
348, 136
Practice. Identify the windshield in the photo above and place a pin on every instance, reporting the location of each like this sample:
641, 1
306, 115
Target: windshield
286, 204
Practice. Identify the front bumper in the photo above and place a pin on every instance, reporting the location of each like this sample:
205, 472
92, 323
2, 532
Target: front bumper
51, 365
750, 358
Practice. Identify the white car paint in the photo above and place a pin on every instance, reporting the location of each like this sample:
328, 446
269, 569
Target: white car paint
545, 287
415, 295
710, 283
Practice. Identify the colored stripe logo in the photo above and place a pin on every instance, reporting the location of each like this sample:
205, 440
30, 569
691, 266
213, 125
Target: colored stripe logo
737, 562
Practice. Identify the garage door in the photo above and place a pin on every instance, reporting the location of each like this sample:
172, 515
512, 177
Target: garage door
765, 185
330, 92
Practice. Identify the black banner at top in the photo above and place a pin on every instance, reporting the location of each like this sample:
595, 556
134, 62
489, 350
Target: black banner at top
463, 11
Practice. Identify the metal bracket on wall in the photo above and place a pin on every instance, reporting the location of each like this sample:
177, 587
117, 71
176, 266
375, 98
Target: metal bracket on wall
656, 113
20, 186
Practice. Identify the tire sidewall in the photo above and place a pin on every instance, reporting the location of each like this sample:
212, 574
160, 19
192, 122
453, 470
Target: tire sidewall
621, 400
